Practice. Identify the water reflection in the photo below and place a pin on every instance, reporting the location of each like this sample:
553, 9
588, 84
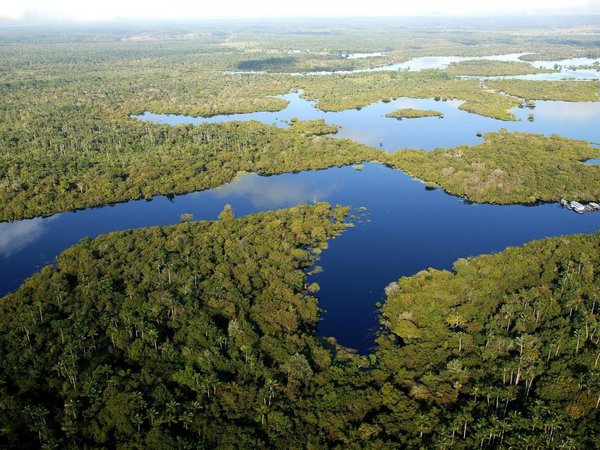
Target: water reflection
566, 63
364, 55
15, 236
564, 74
568, 67
421, 63
409, 229
272, 192
440, 62
370, 126
561, 111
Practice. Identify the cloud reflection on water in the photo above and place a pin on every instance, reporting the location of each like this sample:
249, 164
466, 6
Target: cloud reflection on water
15, 236
269, 192
565, 110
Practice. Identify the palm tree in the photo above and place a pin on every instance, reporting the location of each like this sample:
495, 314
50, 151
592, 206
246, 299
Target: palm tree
271, 385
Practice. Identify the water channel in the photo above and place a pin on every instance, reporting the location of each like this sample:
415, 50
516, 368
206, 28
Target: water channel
573, 68
405, 228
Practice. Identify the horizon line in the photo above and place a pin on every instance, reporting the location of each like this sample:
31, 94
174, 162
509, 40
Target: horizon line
139, 20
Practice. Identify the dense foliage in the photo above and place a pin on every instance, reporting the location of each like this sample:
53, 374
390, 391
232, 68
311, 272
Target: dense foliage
509, 168
486, 67
201, 334
568, 91
411, 113
504, 352
169, 337
114, 166
67, 141
340, 92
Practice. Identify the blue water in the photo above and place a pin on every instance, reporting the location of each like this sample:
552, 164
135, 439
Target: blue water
435, 62
405, 228
567, 67
577, 120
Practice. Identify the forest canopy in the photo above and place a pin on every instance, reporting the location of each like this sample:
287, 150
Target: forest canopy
203, 334
68, 141
411, 113
509, 168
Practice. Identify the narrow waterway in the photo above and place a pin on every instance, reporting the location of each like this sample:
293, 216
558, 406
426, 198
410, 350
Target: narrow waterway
404, 229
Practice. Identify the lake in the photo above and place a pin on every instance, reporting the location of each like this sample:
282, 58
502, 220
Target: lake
574, 68
577, 120
406, 228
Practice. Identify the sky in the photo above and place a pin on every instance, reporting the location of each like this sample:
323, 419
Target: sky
106, 10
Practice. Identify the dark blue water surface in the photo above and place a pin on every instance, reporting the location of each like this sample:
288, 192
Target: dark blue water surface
405, 228
577, 120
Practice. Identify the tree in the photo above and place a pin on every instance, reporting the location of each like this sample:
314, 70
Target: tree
227, 213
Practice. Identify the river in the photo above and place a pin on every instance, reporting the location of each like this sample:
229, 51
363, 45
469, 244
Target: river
405, 228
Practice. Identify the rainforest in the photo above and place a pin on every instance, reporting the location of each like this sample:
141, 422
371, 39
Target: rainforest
306, 233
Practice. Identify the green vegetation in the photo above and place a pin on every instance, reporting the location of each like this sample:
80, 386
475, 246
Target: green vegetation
340, 92
194, 334
201, 334
56, 156
486, 67
67, 141
594, 66
502, 353
312, 127
509, 168
581, 50
159, 160
410, 113
568, 91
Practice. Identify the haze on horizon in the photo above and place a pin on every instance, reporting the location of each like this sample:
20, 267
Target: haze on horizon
23, 11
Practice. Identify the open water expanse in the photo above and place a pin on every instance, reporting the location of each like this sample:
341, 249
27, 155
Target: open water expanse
404, 229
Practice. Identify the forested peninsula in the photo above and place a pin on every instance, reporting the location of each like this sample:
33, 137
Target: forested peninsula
509, 168
506, 168
202, 334
164, 160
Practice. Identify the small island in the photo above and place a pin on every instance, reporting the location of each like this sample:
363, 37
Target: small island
492, 68
411, 113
